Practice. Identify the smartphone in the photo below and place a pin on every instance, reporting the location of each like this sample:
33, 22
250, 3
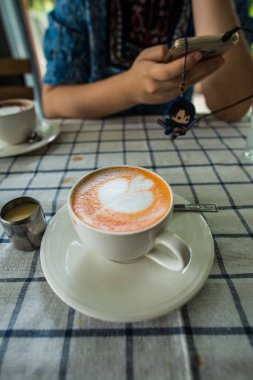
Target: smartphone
209, 46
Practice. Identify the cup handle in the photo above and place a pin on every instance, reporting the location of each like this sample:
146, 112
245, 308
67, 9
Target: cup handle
173, 254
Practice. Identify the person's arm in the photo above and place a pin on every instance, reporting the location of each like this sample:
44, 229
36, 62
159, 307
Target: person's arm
234, 80
148, 81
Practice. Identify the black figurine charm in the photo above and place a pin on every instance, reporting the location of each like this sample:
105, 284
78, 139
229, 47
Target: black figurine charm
180, 116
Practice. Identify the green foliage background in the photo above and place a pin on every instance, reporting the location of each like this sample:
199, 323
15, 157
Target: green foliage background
40, 5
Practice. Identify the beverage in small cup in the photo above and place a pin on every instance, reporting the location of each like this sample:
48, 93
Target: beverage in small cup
17, 120
121, 212
24, 222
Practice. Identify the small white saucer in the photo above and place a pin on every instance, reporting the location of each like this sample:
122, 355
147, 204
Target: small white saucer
116, 292
48, 132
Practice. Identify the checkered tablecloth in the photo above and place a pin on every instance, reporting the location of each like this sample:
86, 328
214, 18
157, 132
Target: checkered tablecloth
211, 337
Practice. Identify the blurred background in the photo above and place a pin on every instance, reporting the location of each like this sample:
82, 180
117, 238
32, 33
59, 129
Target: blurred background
22, 27
37, 11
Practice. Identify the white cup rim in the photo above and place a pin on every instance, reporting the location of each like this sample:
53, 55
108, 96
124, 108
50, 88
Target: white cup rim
119, 233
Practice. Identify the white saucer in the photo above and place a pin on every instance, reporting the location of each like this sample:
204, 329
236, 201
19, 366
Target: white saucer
116, 292
47, 130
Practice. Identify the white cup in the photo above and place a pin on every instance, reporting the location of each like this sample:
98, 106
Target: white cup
154, 242
17, 120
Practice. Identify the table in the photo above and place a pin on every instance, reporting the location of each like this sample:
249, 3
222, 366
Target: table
211, 337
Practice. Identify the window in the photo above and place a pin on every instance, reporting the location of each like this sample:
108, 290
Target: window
24, 24
37, 12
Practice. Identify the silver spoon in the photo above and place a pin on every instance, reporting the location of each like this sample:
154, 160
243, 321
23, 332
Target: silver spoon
34, 137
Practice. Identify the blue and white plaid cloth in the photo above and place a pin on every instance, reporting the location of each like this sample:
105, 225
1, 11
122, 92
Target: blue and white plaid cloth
209, 338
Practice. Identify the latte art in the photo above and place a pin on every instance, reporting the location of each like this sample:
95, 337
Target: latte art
128, 196
121, 199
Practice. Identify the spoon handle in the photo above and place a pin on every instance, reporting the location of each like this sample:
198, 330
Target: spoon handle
197, 207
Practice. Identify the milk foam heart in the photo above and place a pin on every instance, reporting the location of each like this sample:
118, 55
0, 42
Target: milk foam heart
121, 199
122, 195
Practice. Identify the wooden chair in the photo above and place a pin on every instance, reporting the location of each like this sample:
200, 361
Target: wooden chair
10, 67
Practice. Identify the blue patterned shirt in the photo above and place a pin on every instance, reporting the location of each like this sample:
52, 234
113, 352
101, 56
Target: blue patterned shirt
88, 40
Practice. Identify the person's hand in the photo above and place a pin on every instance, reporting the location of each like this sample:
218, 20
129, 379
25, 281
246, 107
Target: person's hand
151, 81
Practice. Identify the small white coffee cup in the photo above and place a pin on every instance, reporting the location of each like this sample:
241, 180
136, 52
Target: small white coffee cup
17, 120
125, 246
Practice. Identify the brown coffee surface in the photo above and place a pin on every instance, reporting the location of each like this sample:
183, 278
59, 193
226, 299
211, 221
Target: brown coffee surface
121, 199
20, 212
11, 108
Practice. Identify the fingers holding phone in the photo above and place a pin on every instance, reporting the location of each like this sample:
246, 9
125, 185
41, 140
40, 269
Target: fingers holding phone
203, 70
149, 77
151, 81
170, 88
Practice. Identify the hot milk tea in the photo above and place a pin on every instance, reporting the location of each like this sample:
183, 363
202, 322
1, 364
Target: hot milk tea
11, 108
20, 212
17, 120
121, 199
